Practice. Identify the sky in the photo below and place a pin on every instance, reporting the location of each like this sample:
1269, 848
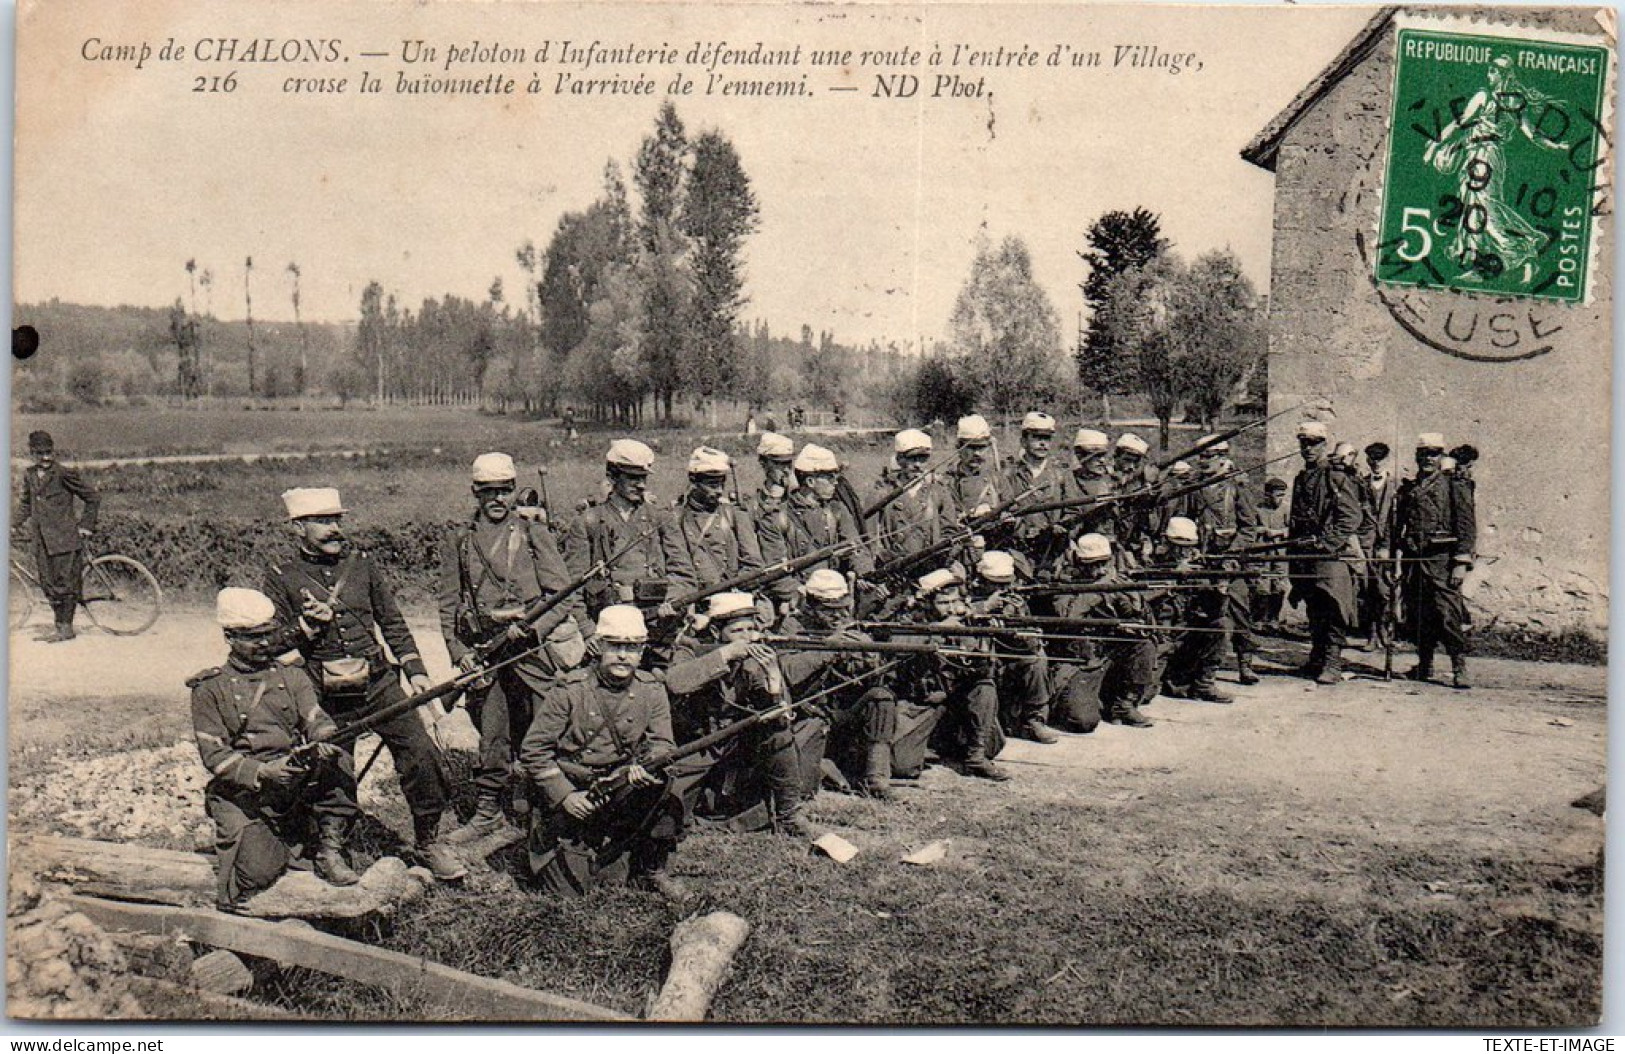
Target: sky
871, 208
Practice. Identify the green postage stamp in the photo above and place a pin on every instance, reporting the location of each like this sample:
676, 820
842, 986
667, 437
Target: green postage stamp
1498, 150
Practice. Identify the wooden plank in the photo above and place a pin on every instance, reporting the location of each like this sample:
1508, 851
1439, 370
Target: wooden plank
465, 995
168, 1001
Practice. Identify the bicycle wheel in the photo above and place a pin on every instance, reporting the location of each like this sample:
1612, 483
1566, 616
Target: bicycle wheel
120, 595
19, 600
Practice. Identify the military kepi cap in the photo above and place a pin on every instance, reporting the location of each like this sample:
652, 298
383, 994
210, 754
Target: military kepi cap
708, 461
1430, 441
629, 455
493, 468
938, 580
312, 501
996, 566
1180, 531
814, 458
726, 606
911, 441
1313, 430
238, 608
1039, 422
826, 584
779, 448
622, 622
973, 430
1133, 443
1089, 439
40, 442
1089, 548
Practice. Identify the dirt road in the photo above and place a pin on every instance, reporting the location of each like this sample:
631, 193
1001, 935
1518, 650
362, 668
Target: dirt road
1368, 796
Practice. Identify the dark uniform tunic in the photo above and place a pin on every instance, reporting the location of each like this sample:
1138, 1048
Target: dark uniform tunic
708, 548
1377, 587
862, 716
605, 529
1106, 677
962, 686
918, 518
243, 718
489, 574
1040, 538
1023, 672
1324, 516
363, 606
775, 762
1437, 528
810, 526
583, 729
48, 508
1227, 519
767, 511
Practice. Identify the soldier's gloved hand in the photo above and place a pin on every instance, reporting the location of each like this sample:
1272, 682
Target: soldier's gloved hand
468, 662
666, 611
329, 752
762, 654
279, 773
578, 806
316, 610
1458, 575
638, 776
420, 682
519, 633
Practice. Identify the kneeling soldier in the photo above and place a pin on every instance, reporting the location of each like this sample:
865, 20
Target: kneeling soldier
1024, 673
719, 677
335, 603
593, 721
1198, 614
248, 717
863, 716
1125, 657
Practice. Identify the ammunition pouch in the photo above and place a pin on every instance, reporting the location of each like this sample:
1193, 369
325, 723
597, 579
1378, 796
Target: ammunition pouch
349, 675
650, 592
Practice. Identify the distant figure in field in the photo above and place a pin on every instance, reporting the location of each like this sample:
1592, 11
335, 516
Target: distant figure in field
49, 490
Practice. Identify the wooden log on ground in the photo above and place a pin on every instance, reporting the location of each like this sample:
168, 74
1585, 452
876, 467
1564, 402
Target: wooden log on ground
702, 949
187, 879
457, 994
222, 973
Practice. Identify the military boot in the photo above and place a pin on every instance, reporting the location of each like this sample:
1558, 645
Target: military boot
1037, 731
790, 818
1129, 715
487, 820
1244, 670
330, 862
441, 860
977, 763
1423, 670
1208, 692
1458, 672
877, 773
64, 631
1333, 673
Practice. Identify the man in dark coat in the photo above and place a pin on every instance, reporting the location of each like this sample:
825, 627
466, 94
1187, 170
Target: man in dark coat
1437, 530
49, 490
1326, 512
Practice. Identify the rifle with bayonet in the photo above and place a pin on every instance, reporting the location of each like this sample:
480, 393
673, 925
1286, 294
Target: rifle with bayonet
879, 504
1226, 436
751, 581
899, 566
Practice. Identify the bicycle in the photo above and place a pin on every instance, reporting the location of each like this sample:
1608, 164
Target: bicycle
117, 592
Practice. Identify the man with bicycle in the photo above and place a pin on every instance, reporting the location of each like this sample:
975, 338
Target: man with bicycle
336, 604
49, 490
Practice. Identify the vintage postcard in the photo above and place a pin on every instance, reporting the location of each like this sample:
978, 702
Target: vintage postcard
883, 514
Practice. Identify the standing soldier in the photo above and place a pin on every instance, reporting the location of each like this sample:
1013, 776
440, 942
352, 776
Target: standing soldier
972, 480
335, 605
591, 722
1040, 538
49, 489
1092, 478
863, 716
248, 717
1437, 530
1325, 513
605, 529
1270, 594
1226, 519
924, 513
1136, 516
715, 678
492, 568
710, 540
1380, 487
814, 520
766, 507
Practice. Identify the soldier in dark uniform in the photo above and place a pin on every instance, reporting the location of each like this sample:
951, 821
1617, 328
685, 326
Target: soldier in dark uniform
1199, 615
1024, 671
1269, 594
592, 721
1092, 478
711, 540
492, 569
714, 679
335, 604
774, 453
863, 715
1136, 480
1437, 529
1226, 519
49, 490
924, 513
248, 717
1040, 538
814, 520
1112, 677
605, 529
972, 479
1325, 514
961, 683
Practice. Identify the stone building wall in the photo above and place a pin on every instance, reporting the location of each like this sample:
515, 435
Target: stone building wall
1542, 423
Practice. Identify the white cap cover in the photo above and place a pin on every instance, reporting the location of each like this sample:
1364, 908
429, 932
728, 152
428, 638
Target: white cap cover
1130, 441
911, 440
939, 579
1313, 430
974, 429
312, 501
1038, 421
825, 584
730, 605
996, 566
1430, 441
814, 458
1089, 439
1180, 468
776, 446
1221, 447
1181, 531
622, 622
238, 608
1089, 548
630, 454
494, 468
708, 461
